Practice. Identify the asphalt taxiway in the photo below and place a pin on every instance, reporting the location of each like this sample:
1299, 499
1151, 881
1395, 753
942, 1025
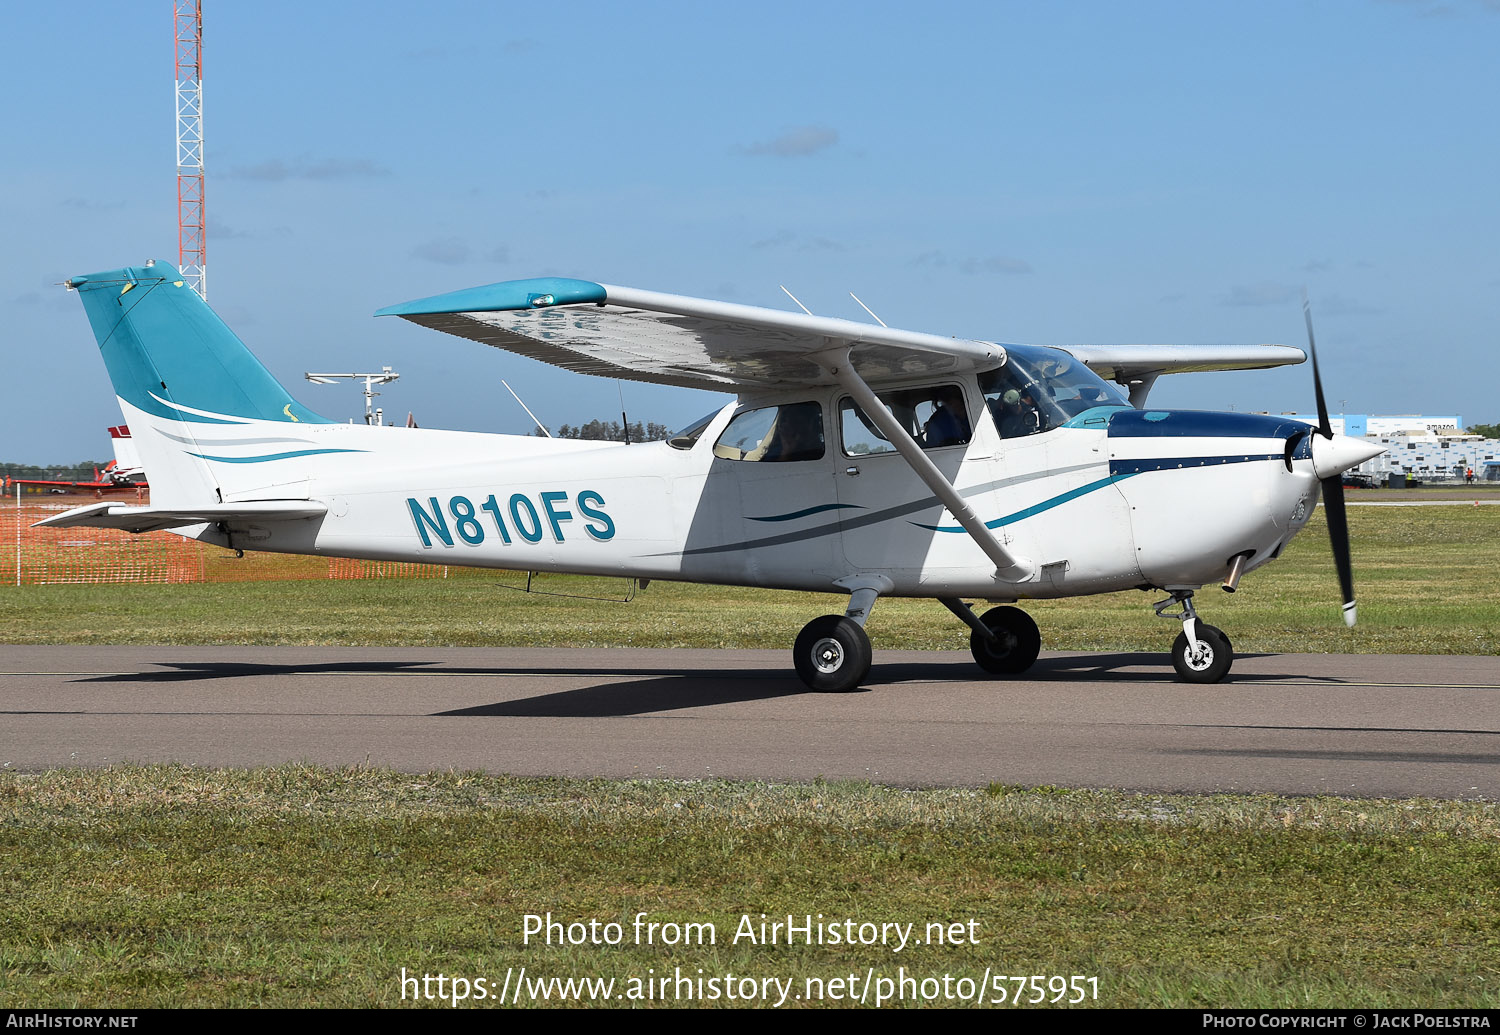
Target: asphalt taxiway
1375, 725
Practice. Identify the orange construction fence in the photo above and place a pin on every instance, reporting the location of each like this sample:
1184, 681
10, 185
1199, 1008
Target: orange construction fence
39, 556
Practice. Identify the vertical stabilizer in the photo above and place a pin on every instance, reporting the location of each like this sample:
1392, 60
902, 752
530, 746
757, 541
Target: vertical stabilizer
190, 391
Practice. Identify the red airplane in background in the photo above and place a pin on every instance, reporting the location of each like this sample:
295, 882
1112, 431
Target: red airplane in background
122, 474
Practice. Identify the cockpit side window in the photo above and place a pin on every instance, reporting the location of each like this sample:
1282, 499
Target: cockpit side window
774, 434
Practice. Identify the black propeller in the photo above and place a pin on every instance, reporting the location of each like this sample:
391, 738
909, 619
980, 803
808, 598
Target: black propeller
1333, 485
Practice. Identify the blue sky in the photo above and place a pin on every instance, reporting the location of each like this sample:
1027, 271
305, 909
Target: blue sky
1092, 172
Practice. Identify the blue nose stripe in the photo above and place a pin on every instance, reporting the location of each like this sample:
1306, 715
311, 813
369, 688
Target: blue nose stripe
1199, 424
1174, 463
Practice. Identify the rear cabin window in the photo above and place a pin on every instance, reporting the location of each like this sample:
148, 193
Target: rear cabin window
934, 416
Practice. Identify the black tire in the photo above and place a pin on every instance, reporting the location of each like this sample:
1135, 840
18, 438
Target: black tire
1210, 668
1016, 647
832, 654
1228, 643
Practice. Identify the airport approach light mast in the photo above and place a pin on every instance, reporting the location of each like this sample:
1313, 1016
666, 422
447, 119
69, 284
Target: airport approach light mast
191, 238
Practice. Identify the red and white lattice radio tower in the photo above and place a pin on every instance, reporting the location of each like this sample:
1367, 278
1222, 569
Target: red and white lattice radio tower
192, 253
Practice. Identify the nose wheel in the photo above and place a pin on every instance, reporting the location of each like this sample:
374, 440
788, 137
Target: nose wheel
1201, 653
1209, 663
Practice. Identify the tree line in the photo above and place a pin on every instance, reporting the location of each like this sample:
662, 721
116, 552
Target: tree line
612, 431
79, 472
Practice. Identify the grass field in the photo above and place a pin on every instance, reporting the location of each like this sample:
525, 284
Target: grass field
303, 887
1423, 575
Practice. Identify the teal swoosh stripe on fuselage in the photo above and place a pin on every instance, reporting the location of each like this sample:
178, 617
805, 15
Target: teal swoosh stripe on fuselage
1035, 509
806, 512
1119, 471
849, 524
273, 456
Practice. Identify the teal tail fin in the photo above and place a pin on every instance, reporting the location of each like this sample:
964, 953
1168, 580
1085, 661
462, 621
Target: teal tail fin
184, 380
170, 355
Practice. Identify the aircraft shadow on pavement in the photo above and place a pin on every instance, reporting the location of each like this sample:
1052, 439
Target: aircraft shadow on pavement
172, 671
1137, 666
675, 692
653, 688
681, 689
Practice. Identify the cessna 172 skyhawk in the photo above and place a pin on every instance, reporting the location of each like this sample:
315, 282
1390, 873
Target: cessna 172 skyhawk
857, 459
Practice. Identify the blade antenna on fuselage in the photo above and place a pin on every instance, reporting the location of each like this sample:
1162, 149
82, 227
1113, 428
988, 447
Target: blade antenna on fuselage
868, 310
517, 398
794, 298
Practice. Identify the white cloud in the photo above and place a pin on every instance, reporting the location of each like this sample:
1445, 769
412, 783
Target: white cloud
447, 251
798, 142
276, 171
1264, 293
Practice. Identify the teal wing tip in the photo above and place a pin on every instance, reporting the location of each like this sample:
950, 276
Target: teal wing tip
509, 295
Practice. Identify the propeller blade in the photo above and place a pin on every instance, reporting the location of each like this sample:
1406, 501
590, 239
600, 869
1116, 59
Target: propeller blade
1324, 427
1338, 537
1333, 485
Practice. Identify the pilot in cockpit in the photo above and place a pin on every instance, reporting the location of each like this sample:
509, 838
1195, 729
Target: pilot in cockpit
798, 435
948, 425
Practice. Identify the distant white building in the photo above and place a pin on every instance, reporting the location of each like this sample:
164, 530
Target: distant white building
1428, 448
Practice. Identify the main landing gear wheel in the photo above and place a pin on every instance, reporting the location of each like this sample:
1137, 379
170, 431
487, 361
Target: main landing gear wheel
1212, 661
1015, 647
832, 654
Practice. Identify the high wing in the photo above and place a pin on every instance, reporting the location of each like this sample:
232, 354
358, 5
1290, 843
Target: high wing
723, 346
675, 340
1126, 363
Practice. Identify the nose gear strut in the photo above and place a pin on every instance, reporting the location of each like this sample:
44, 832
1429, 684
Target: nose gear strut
1201, 653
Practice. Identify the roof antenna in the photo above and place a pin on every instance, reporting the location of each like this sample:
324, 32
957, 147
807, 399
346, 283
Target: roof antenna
624, 420
869, 310
794, 298
517, 398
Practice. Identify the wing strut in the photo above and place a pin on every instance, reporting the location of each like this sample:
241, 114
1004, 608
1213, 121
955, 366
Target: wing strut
1008, 566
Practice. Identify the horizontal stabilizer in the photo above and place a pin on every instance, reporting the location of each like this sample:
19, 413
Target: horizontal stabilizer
150, 519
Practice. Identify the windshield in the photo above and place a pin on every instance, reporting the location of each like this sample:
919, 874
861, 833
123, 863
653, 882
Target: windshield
688, 437
1042, 388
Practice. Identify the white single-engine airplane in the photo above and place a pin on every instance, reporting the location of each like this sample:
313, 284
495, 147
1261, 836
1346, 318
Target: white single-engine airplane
857, 459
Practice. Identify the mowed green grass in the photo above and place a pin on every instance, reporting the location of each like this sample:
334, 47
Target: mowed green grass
1424, 577
295, 886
